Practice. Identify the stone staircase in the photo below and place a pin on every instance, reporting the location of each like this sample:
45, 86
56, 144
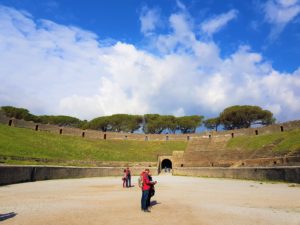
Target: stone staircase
205, 151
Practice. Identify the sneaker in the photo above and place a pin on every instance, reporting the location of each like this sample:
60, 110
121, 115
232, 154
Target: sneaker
147, 210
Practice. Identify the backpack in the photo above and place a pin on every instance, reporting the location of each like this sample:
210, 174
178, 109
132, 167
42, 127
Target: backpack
152, 192
140, 181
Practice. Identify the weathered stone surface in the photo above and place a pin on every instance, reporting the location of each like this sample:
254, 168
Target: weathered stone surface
18, 174
289, 174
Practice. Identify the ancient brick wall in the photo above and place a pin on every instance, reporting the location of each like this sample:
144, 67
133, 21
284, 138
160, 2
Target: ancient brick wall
149, 137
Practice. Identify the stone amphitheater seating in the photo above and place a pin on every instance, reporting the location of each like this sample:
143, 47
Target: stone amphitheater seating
211, 151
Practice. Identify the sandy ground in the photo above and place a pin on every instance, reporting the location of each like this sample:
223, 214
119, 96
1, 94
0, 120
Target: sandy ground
178, 200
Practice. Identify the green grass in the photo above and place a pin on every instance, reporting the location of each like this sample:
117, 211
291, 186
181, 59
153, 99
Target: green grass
28, 143
281, 142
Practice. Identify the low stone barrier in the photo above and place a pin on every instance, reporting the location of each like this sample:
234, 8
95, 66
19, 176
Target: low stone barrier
18, 174
289, 174
77, 163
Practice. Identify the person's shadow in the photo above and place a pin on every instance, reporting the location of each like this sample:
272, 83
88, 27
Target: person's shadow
153, 203
7, 216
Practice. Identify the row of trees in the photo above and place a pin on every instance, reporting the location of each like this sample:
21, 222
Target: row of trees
117, 123
21, 113
234, 117
156, 124
149, 123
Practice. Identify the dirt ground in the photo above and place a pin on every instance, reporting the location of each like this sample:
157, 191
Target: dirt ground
178, 200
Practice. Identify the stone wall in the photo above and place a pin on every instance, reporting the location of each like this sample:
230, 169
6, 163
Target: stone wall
18, 174
273, 162
81, 163
289, 174
148, 137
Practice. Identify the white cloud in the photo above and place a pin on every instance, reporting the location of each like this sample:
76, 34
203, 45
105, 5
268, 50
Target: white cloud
279, 13
150, 19
215, 24
287, 3
179, 112
181, 39
57, 69
180, 5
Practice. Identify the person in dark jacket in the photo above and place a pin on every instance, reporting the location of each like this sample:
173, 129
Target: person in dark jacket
151, 191
146, 190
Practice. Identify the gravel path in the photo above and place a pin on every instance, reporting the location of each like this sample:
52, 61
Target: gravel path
178, 200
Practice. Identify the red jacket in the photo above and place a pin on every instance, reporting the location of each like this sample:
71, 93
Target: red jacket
146, 182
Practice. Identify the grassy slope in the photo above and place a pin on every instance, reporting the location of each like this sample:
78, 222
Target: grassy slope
281, 142
29, 143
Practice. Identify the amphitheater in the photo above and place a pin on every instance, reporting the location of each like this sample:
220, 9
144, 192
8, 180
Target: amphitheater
193, 192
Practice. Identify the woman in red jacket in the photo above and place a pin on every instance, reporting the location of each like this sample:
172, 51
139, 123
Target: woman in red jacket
146, 190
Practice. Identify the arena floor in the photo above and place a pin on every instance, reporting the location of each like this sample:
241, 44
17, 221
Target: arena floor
178, 200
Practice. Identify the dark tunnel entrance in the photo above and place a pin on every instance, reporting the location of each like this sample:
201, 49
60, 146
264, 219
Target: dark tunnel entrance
166, 164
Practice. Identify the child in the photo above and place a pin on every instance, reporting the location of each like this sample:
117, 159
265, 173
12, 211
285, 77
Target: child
124, 178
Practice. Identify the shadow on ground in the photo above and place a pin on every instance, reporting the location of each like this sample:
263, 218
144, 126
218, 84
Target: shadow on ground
153, 203
7, 216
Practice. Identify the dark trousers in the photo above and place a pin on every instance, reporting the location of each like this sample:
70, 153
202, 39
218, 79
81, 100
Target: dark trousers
148, 200
151, 193
144, 199
128, 181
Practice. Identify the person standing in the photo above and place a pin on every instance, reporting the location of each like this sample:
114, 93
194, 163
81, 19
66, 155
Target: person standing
146, 190
124, 178
151, 191
128, 177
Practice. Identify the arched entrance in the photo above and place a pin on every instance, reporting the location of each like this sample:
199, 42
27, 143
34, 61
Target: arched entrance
166, 165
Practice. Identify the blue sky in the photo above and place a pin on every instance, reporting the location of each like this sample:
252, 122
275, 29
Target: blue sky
94, 58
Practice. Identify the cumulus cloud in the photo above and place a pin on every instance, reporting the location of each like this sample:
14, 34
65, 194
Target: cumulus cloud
216, 23
58, 69
279, 13
150, 19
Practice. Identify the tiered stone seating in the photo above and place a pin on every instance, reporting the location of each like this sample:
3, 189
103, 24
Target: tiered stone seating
206, 151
